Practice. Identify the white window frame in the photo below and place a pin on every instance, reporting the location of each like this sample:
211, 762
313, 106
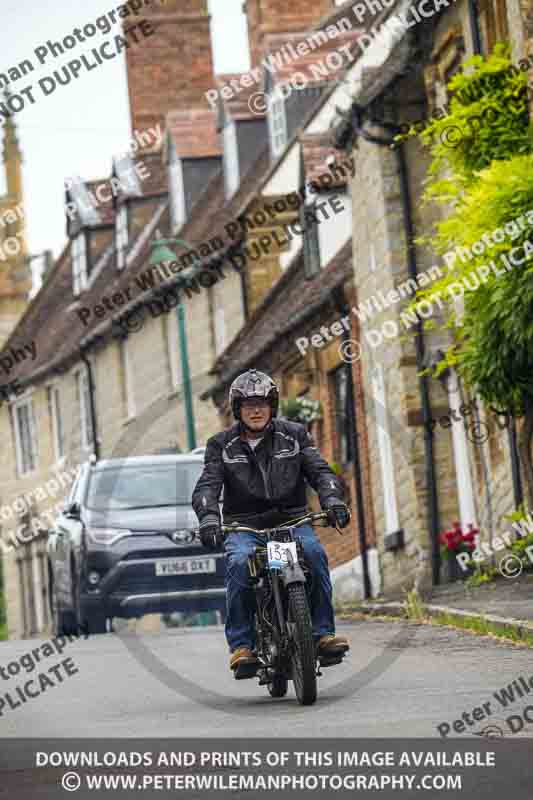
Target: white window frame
121, 235
25, 467
463, 472
178, 214
127, 378
85, 408
277, 123
78, 253
231, 159
58, 433
392, 520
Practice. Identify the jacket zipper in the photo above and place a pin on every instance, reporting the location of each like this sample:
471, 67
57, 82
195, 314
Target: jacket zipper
262, 471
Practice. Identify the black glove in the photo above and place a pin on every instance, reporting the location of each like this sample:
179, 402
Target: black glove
211, 536
338, 513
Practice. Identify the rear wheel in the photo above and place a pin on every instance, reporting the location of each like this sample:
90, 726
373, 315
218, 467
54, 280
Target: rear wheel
302, 646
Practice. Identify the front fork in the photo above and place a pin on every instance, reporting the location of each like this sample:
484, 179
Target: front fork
276, 589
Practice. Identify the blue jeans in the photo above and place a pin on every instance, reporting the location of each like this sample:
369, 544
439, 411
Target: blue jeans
240, 599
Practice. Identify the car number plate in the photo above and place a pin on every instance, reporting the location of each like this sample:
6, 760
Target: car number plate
185, 566
281, 553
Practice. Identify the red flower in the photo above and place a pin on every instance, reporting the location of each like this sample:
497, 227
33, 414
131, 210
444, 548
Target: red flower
455, 539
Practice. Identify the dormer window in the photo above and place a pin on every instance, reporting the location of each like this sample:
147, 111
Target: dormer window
231, 159
277, 122
79, 263
122, 235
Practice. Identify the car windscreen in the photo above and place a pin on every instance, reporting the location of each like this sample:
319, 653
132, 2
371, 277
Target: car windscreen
146, 486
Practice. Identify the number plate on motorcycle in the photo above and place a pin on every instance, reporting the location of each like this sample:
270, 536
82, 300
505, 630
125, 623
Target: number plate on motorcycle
281, 553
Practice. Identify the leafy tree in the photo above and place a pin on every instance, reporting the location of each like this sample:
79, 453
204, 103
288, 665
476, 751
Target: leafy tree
486, 185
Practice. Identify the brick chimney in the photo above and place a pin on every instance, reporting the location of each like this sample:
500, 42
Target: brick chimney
173, 68
281, 16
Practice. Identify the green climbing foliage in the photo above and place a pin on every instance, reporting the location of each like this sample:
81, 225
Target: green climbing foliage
485, 184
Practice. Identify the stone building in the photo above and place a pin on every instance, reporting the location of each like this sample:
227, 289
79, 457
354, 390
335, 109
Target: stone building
99, 385
425, 474
262, 278
119, 341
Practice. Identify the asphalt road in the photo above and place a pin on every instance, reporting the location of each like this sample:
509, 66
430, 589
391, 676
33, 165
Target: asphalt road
401, 679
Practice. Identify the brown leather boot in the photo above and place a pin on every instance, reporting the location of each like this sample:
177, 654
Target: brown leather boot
243, 663
331, 645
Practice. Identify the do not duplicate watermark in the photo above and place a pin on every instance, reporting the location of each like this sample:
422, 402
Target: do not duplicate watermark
41, 681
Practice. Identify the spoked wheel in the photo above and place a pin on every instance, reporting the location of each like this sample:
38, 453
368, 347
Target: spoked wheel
302, 645
279, 685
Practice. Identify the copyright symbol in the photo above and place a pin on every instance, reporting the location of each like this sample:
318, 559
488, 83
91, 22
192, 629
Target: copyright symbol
451, 136
491, 732
258, 103
511, 566
71, 781
478, 433
133, 322
350, 351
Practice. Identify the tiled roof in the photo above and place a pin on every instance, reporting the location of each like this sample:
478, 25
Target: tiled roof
288, 304
318, 65
51, 318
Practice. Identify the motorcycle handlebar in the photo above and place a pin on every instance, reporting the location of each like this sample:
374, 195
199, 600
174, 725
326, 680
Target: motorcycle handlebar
292, 524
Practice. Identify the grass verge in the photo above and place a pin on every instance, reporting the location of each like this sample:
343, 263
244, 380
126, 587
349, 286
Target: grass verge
484, 627
416, 612
3, 633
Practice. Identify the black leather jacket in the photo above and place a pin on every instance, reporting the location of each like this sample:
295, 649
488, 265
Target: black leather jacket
265, 486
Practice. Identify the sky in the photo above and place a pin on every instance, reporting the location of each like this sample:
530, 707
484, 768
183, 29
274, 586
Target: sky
77, 129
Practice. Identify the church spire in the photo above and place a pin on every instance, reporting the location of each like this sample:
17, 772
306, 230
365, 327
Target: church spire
12, 162
15, 272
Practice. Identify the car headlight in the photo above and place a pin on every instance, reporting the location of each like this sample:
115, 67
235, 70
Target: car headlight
107, 536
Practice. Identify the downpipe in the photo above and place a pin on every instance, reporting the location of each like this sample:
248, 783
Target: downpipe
92, 409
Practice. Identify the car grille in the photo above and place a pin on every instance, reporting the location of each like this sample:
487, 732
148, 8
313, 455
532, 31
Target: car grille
152, 584
167, 552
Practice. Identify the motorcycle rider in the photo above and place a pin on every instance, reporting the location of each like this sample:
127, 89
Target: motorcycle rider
263, 464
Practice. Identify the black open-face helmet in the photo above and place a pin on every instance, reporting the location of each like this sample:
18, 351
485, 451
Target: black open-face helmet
253, 384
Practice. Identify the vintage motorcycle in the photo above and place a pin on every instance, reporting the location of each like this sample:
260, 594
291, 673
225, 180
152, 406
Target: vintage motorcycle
281, 579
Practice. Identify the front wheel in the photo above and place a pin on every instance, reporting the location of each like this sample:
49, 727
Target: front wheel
302, 646
63, 622
279, 685
90, 623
